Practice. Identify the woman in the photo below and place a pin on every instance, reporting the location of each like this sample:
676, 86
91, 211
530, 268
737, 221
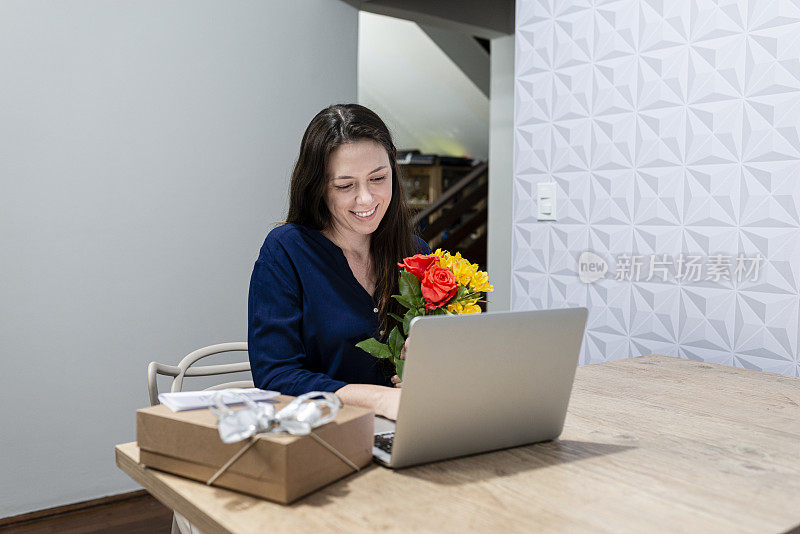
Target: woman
323, 281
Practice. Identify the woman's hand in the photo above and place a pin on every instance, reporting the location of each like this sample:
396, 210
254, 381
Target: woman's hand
396, 379
380, 399
389, 403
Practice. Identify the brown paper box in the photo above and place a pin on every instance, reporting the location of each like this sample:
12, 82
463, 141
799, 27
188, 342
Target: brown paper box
278, 467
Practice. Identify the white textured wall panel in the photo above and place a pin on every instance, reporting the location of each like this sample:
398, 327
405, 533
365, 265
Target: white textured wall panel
669, 128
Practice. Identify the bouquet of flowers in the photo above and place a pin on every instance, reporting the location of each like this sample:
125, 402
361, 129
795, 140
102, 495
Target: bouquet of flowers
432, 284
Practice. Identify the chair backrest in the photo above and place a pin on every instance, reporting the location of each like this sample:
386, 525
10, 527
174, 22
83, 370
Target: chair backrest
184, 368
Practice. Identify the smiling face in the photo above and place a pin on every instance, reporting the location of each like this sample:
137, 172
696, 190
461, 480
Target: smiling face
359, 189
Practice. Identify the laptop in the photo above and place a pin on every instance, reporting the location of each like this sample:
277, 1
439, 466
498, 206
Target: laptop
479, 382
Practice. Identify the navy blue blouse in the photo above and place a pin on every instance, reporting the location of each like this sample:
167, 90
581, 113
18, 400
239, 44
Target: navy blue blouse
306, 312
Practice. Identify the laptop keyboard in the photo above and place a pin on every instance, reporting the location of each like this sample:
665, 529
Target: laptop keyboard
384, 442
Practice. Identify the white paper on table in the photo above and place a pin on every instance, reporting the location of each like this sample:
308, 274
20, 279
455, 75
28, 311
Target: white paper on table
194, 400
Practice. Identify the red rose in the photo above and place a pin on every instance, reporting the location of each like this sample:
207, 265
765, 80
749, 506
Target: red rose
438, 286
418, 264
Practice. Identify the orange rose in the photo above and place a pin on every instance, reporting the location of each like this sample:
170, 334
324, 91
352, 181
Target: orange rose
418, 264
438, 286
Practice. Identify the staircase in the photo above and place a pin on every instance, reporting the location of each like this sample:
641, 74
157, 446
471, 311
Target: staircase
456, 221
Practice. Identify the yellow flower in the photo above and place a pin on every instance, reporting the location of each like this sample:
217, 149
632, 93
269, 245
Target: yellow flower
480, 282
445, 259
455, 307
463, 271
466, 273
466, 307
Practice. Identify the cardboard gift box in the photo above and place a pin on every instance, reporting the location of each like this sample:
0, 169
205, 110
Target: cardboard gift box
278, 467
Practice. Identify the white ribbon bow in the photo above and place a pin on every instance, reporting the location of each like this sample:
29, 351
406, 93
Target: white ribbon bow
297, 418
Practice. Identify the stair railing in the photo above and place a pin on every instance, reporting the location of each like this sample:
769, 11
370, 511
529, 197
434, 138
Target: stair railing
456, 221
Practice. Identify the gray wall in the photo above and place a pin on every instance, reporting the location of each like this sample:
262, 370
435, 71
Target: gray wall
423, 96
669, 129
145, 148
472, 17
501, 171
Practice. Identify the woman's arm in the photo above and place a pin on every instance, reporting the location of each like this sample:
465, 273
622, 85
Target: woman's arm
277, 355
380, 399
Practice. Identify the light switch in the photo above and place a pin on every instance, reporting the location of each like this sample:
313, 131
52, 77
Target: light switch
546, 201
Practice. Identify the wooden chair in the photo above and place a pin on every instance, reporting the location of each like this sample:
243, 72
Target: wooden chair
184, 369
179, 523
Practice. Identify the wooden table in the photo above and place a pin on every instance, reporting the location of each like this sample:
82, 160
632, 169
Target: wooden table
649, 444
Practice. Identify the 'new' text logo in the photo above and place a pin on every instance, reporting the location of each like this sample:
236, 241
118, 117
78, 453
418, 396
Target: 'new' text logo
591, 267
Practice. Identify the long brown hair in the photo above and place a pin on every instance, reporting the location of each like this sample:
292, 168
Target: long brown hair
392, 241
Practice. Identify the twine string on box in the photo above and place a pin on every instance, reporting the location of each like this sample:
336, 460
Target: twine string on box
254, 439
298, 418
330, 447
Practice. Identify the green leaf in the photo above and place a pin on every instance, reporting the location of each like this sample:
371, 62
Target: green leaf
398, 365
396, 342
403, 300
396, 317
462, 292
410, 288
375, 347
410, 314
405, 284
416, 288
